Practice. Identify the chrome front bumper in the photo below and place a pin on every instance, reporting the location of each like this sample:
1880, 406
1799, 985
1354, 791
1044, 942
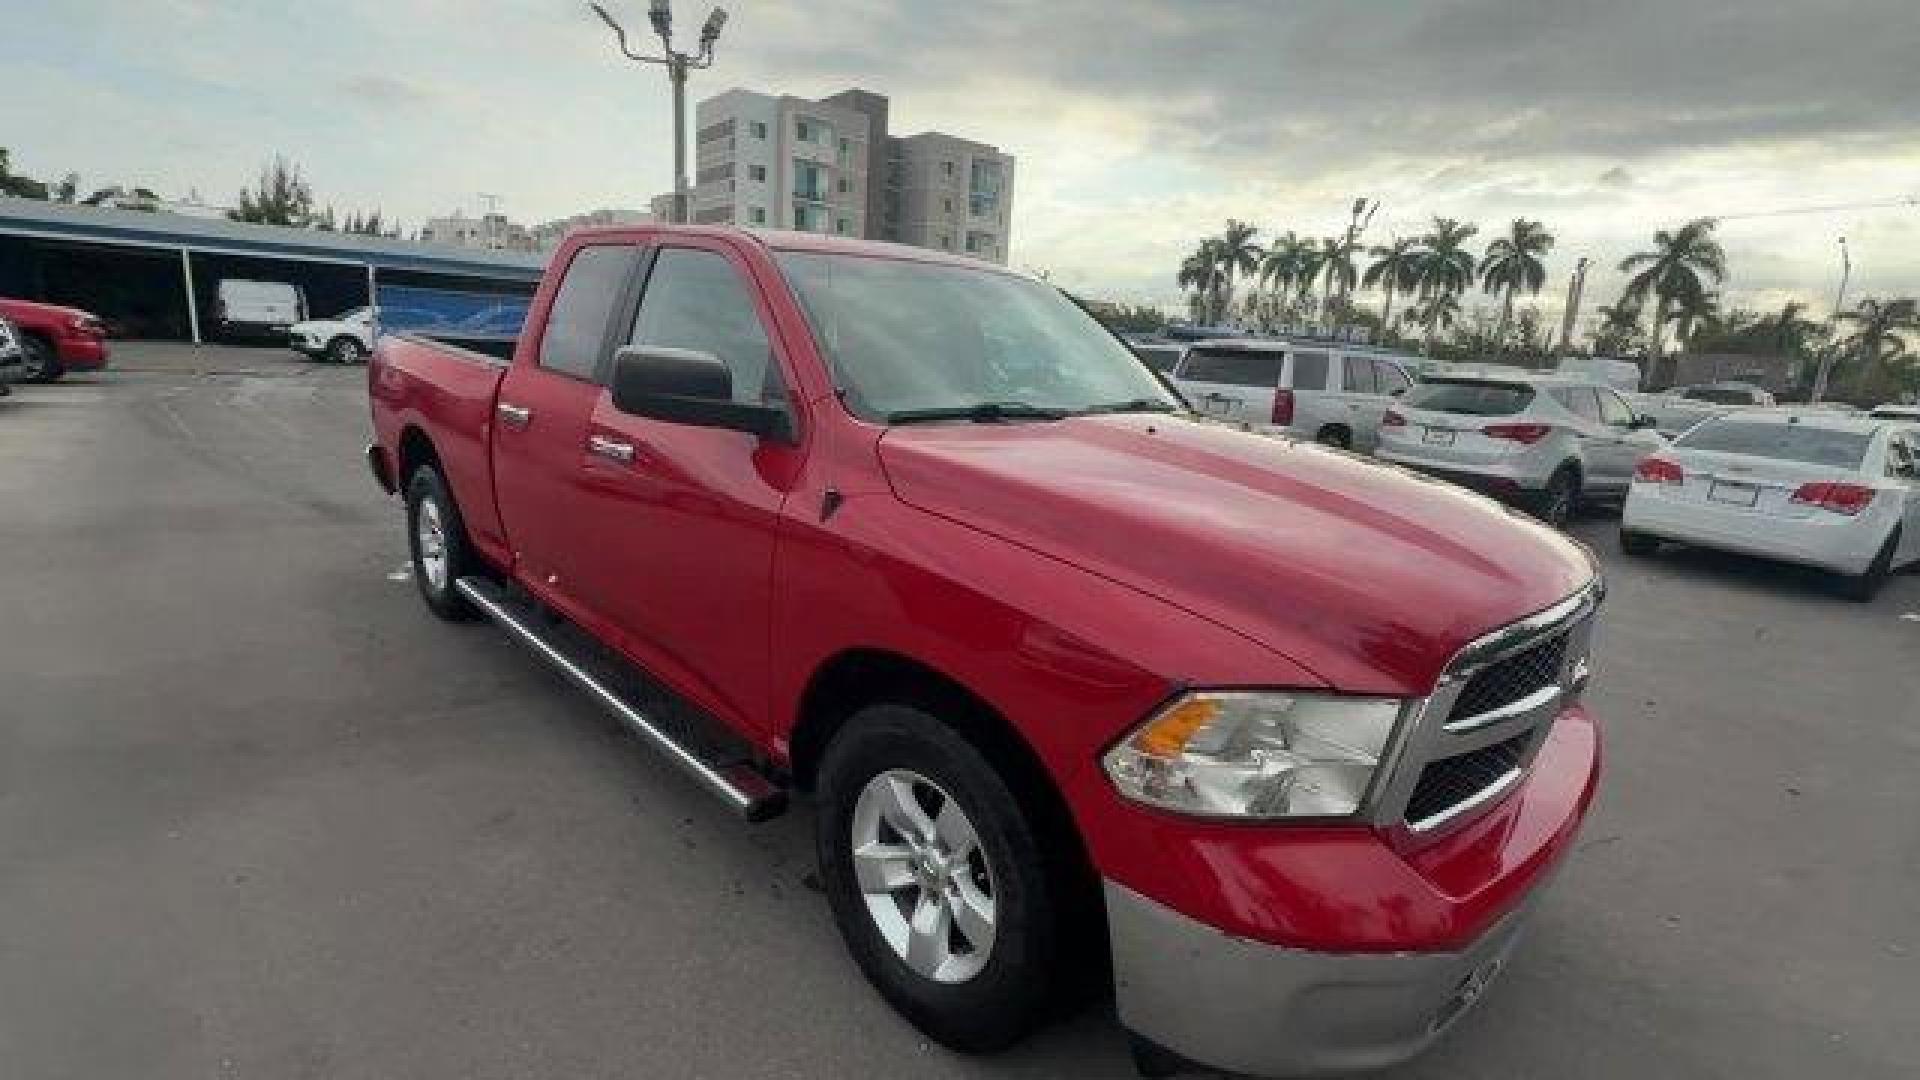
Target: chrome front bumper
1248, 1007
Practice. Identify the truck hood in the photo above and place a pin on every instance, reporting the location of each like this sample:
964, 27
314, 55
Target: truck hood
1368, 575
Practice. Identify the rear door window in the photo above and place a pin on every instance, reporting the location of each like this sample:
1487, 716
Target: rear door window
577, 325
1579, 401
1309, 371
1233, 367
1782, 442
1390, 377
1358, 378
1470, 397
1614, 411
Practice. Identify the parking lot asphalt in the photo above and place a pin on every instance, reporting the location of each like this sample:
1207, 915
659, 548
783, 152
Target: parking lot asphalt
262, 816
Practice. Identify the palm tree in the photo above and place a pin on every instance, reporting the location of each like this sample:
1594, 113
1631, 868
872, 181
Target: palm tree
1513, 263
1681, 264
1205, 273
1286, 262
1619, 327
1689, 311
1787, 331
1336, 267
1239, 253
1394, 269
1438, 311
1444, 266
1875, 339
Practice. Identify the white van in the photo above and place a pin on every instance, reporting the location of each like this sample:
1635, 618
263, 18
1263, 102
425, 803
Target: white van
1327, 391
244, 309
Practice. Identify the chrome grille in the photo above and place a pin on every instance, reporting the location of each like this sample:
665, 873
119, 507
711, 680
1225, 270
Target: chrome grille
1480, 728
1513, 679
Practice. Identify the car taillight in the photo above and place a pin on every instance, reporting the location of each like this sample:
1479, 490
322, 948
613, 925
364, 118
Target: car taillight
1655, 470
1840, 498
1527, 434
1393, 419
1283, 406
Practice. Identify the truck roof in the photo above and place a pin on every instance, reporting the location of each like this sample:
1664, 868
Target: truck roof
783, 240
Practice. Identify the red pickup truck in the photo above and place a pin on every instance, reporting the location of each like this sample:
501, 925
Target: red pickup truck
1280, 742
56, 339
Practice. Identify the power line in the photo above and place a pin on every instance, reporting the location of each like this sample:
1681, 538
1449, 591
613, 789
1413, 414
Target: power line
1830, 208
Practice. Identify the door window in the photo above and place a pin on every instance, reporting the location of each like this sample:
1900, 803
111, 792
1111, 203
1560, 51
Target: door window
696, 300
1579, 400
1390, 377
1309, 371
1359, 375
1232, 367
577, 325
1614, 411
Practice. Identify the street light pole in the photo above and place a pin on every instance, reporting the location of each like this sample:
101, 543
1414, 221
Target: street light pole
677, 63
1825, 369
1574, 289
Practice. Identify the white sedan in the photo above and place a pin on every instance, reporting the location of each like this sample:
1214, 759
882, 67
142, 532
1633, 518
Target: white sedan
1823, 489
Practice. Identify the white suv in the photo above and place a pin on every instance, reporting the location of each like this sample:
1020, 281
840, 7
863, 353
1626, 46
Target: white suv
1543, 441
1333, 393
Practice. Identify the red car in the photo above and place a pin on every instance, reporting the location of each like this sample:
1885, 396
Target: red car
1284, 742
56, 339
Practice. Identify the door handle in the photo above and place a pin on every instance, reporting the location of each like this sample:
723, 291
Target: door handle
611, 449
514, 416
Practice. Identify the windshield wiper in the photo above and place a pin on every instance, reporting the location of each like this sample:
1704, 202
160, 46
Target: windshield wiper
1153, 405
986, 412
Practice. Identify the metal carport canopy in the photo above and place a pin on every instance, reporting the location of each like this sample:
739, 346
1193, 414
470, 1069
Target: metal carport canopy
32, 218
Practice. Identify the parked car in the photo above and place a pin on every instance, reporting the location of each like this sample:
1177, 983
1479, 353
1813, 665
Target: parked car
246, 310
1890, 411
1822, 489
1068, 670
347, 338
1545, 442
1327, 392
55, 340
1740, 394
13, 363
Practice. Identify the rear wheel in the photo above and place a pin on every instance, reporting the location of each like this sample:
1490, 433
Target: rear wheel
438, 540
42, 362
1639, 545
1863, 587
1555, 504
937, 879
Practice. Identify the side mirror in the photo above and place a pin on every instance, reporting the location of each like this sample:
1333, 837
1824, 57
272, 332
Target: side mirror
682, 386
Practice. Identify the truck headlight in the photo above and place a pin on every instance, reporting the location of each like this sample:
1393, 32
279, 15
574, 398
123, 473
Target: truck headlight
1257, 755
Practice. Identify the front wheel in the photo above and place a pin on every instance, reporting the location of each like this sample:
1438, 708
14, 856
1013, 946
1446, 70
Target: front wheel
438, 540
937, 879
345, 350
42, 362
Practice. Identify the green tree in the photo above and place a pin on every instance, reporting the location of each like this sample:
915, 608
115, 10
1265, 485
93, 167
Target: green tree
1337, 271
1287, 266
282, 197
20, 187
1680, 265
1395, 269
1619, 330
1239, 255
1875, 344
1691, 310
1514, 262
1204, 272
1444, 268
1437, 312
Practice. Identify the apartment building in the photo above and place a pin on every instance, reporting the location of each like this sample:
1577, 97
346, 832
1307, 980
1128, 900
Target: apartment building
831, 166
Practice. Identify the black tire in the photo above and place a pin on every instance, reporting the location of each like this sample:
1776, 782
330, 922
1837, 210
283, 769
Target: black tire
1011, 993
1335, 436
1639, 545
345, 350
1863, 587
1555, 505
42, 362
427, 493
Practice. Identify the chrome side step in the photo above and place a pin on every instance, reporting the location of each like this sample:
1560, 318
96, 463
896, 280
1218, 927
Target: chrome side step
723, 770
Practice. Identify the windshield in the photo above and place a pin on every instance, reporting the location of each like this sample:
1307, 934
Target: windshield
1782, 442
1720, 395
920, 338
1469, 397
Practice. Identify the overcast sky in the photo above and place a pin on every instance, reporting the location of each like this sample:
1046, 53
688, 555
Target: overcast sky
1140, 126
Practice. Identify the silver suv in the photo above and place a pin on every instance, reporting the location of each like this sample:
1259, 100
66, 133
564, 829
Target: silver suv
1545, 442
1329, 392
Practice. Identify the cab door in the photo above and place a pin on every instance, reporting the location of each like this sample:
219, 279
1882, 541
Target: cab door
679, 521
540, 423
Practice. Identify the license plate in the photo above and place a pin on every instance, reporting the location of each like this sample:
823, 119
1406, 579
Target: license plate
1220, 406
1438, 436
1724, 491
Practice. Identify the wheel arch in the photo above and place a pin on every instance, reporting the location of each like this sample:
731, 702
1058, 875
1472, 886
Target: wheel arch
415, 449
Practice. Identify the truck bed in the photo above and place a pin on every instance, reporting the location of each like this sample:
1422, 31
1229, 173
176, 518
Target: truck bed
446, 391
